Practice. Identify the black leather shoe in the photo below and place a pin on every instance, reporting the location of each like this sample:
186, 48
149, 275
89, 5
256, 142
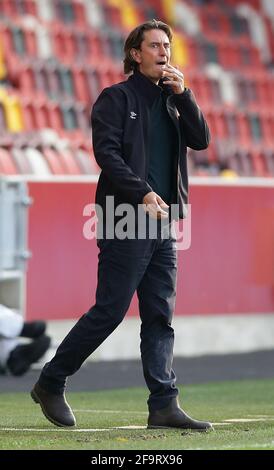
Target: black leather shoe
174, 417
55, 407
33, 329
24, 355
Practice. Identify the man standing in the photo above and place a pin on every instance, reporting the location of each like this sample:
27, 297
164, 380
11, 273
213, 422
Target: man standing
141, 130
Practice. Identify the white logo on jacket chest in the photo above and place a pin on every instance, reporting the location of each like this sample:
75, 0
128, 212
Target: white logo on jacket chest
133, 115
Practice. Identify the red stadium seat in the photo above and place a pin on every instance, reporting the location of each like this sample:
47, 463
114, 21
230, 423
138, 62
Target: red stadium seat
53, 80
207, 90
112, 15
194, 52
69, 162
26, 79
6, 38
54, 161
86, 161
269, 161
79, 12
31, 42
22, 162
55, 116
81, 87
7, 165
41, 77
8, 7
94, 83
244, 137
83, 117
267, 128
42, 114
28, 114
30, 7
260, 167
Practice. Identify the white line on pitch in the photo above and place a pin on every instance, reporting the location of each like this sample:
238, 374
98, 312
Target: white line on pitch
71, 430
225, 422
90, 429
247, 420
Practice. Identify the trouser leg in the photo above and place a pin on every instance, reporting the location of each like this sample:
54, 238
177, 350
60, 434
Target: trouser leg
121, 266
156, 294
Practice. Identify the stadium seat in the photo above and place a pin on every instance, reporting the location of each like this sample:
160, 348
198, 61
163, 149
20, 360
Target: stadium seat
37, 161
81, 86
9, 8
269, 161
83, 117
55, 116
31, 43
255, 126
69, 116
232, 125
2, 117
244, 136
13, 113
87, 164
79, 13
28, 114
7, 164
31, 7
44, 43
41, 114
53, 160
6, 38
22, 161
257, 158
69, 161
41, 78
45, 10
267, 124
94, 84
66, 81
53, 80
18, 39
64, 11
26, 79
112, 14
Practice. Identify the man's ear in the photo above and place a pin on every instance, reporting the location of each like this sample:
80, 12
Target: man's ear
135, 54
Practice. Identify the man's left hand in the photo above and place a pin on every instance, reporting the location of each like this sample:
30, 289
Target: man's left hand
175, 78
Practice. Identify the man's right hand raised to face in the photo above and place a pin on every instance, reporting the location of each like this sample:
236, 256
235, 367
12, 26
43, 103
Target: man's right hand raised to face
155, 206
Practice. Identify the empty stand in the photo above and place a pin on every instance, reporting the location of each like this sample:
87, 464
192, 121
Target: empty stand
56, 57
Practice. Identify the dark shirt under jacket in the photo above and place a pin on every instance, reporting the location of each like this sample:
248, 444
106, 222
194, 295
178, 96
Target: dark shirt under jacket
161, 150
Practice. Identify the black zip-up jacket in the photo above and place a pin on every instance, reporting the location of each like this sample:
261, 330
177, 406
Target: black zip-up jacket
120, 129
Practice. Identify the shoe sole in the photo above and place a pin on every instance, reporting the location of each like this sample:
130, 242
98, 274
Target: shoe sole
36, 400
180, 429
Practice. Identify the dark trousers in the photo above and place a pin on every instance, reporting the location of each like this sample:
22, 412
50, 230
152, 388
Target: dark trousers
148, 266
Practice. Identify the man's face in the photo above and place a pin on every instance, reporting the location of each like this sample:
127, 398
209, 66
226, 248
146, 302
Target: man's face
153, 54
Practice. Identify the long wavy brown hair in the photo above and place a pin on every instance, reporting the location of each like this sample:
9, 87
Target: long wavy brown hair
135, 38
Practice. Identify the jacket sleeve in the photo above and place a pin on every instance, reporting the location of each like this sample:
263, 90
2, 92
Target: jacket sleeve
192, 122
107, 120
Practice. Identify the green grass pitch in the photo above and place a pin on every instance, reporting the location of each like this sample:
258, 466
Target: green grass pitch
243, 413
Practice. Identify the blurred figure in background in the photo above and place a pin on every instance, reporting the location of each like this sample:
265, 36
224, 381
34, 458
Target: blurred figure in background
16, 358
226, 171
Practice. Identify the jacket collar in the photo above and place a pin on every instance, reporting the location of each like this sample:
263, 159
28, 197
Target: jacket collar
147, 88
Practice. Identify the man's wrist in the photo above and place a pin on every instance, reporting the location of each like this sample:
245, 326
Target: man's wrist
180, 92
